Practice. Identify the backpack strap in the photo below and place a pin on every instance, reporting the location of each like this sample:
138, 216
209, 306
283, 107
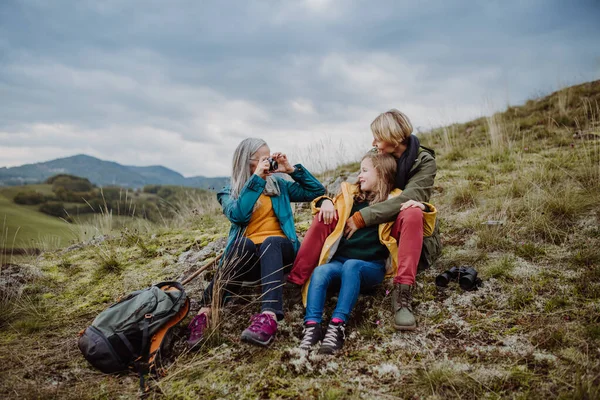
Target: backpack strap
143, 363
127, 344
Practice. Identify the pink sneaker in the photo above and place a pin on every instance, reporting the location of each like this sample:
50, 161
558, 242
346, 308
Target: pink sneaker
261, 330
197, 327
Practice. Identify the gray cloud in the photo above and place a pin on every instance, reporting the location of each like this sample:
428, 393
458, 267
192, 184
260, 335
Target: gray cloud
180, 84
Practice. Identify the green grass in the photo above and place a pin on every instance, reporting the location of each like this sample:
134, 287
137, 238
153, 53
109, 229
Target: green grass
24, 228
11, 191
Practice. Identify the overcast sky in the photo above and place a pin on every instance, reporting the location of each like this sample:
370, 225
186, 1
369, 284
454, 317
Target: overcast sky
179, 83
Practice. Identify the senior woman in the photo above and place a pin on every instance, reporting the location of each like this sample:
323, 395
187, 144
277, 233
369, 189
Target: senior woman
262, 239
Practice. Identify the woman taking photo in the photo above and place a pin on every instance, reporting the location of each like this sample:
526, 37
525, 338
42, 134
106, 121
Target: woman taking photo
262, 239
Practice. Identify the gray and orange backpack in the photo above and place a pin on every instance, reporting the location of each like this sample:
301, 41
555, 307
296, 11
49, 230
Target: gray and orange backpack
136, 331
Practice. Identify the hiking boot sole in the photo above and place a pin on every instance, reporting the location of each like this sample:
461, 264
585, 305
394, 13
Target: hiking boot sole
327, 351
405, 327
194, 346
253, 340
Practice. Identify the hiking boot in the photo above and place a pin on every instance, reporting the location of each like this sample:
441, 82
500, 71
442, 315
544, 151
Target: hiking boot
311, 335
197, 327
404, 320
334, 338
261, 330
292, 293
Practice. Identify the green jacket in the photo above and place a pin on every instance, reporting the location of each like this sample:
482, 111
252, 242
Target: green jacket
418, 188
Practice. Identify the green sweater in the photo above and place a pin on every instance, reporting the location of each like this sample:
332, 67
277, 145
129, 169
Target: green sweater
364, 244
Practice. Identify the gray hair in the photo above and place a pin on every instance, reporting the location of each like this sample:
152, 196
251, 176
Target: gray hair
241, 171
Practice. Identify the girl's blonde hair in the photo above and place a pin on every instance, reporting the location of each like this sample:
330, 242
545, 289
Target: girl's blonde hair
385, 165
392, 127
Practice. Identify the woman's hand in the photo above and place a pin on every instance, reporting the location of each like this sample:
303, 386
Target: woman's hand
350, 228
262, 169
283, 163
412, 204
327, 214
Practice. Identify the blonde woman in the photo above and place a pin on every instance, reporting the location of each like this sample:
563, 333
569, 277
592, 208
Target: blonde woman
358, 261
415, 174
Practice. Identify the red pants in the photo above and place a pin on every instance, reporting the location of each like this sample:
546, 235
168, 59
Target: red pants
408, 231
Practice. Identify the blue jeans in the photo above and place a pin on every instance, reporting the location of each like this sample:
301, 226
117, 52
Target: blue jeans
249, 262
352, 275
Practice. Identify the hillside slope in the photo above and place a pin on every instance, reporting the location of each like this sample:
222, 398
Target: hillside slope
24, 228
104, 173
517, 194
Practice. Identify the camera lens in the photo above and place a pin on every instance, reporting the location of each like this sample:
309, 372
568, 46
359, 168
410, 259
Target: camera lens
273, 165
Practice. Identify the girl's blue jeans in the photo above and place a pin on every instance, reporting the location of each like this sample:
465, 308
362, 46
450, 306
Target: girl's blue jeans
352, 276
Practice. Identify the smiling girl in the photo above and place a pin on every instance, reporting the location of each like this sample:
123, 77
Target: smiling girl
355, 261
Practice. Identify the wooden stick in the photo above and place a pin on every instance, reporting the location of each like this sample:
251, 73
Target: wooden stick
201, 270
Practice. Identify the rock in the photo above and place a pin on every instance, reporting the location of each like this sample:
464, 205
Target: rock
334, 187
193, 257
14, 277
96, 240
353, 177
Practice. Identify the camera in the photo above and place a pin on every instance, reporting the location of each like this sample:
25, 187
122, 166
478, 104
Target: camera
273, 165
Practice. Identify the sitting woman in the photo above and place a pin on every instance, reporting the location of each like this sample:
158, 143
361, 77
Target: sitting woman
415, 174
262, 239
357, 261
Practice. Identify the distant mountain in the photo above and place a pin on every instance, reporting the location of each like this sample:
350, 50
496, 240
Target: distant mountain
104, 173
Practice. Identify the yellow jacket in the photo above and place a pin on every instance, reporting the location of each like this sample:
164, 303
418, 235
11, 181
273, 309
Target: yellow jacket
343, 204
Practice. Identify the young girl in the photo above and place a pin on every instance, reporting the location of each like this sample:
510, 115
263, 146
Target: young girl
415, 174
355, 260
262, 239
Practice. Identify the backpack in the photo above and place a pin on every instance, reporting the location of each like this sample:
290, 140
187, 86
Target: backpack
136, 330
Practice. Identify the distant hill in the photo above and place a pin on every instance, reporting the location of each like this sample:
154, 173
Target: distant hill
104, 173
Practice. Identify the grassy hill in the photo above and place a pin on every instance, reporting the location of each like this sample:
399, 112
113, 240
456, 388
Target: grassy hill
69, 209
24, 227
517, 194
104, 173
31, 229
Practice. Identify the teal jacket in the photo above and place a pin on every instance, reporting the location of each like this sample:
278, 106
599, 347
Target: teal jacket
304, 188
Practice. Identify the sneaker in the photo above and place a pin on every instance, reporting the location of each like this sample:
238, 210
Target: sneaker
261, 330
311, 335
334, 338
404, 320
197, 327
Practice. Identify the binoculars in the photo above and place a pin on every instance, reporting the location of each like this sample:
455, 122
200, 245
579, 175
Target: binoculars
466, 276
